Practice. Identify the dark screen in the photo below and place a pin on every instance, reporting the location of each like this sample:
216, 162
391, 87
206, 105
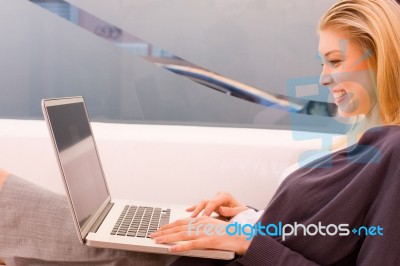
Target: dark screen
79, 159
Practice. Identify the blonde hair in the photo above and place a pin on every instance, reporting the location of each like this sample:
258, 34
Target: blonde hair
374, 25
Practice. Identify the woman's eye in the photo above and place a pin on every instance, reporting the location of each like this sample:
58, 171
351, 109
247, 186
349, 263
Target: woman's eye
334, 62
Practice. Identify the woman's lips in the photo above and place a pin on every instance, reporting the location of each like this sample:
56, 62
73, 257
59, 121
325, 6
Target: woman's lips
339, 96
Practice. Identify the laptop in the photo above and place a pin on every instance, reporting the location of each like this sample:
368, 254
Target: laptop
100, 220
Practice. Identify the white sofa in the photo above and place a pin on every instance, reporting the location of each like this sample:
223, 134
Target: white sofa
178, 164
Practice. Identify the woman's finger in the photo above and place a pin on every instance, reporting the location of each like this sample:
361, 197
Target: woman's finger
231, 211
179, 236
191, 208
170, 231
199, 208
189, 245
175, 223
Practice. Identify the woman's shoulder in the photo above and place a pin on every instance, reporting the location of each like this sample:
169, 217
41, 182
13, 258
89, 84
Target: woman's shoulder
382, 134
383, 137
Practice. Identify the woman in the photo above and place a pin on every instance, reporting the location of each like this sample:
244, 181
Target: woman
343, 206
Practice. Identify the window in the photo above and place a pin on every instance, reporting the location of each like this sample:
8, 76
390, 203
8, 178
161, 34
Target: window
215, 63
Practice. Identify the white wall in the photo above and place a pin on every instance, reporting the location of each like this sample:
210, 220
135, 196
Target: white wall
178, 164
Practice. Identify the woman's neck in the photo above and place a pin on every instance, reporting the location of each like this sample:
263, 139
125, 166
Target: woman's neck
363, 123
373, 118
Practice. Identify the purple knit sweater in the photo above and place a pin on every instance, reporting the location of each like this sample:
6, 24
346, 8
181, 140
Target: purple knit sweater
358, 186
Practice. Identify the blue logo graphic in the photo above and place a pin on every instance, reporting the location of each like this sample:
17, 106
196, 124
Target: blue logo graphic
309, 88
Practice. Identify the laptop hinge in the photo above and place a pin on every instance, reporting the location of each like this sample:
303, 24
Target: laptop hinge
101, 218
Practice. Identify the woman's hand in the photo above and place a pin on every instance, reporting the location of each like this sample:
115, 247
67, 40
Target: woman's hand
223, 204
201, 233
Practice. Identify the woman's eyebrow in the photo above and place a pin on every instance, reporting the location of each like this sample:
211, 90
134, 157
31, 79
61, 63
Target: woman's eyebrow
331, 52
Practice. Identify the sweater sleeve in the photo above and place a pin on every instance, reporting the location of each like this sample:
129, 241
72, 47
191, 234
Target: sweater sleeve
383, 248
264, 250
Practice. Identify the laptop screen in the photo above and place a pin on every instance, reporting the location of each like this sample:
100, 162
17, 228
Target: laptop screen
79, 158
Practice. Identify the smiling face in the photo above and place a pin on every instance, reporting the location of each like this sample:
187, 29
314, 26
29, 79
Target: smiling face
347, 74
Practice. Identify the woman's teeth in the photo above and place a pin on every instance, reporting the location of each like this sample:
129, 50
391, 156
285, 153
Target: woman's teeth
338, 94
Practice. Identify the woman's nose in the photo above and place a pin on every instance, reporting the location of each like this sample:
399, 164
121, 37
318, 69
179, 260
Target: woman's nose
325, 79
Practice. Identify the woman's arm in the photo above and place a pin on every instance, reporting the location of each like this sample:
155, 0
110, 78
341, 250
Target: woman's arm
3, 175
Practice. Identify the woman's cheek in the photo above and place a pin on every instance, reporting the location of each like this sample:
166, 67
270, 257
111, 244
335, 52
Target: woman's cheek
359, 86
358, 101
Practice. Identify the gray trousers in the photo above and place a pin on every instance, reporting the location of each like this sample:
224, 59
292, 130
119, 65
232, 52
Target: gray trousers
36, 228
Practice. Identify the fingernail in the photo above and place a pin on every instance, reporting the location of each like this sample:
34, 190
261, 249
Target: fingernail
172, 249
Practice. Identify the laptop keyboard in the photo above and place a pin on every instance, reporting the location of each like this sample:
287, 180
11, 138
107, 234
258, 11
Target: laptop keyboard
140, 221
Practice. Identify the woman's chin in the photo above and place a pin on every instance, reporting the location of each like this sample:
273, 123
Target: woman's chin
345, 114
350, 108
